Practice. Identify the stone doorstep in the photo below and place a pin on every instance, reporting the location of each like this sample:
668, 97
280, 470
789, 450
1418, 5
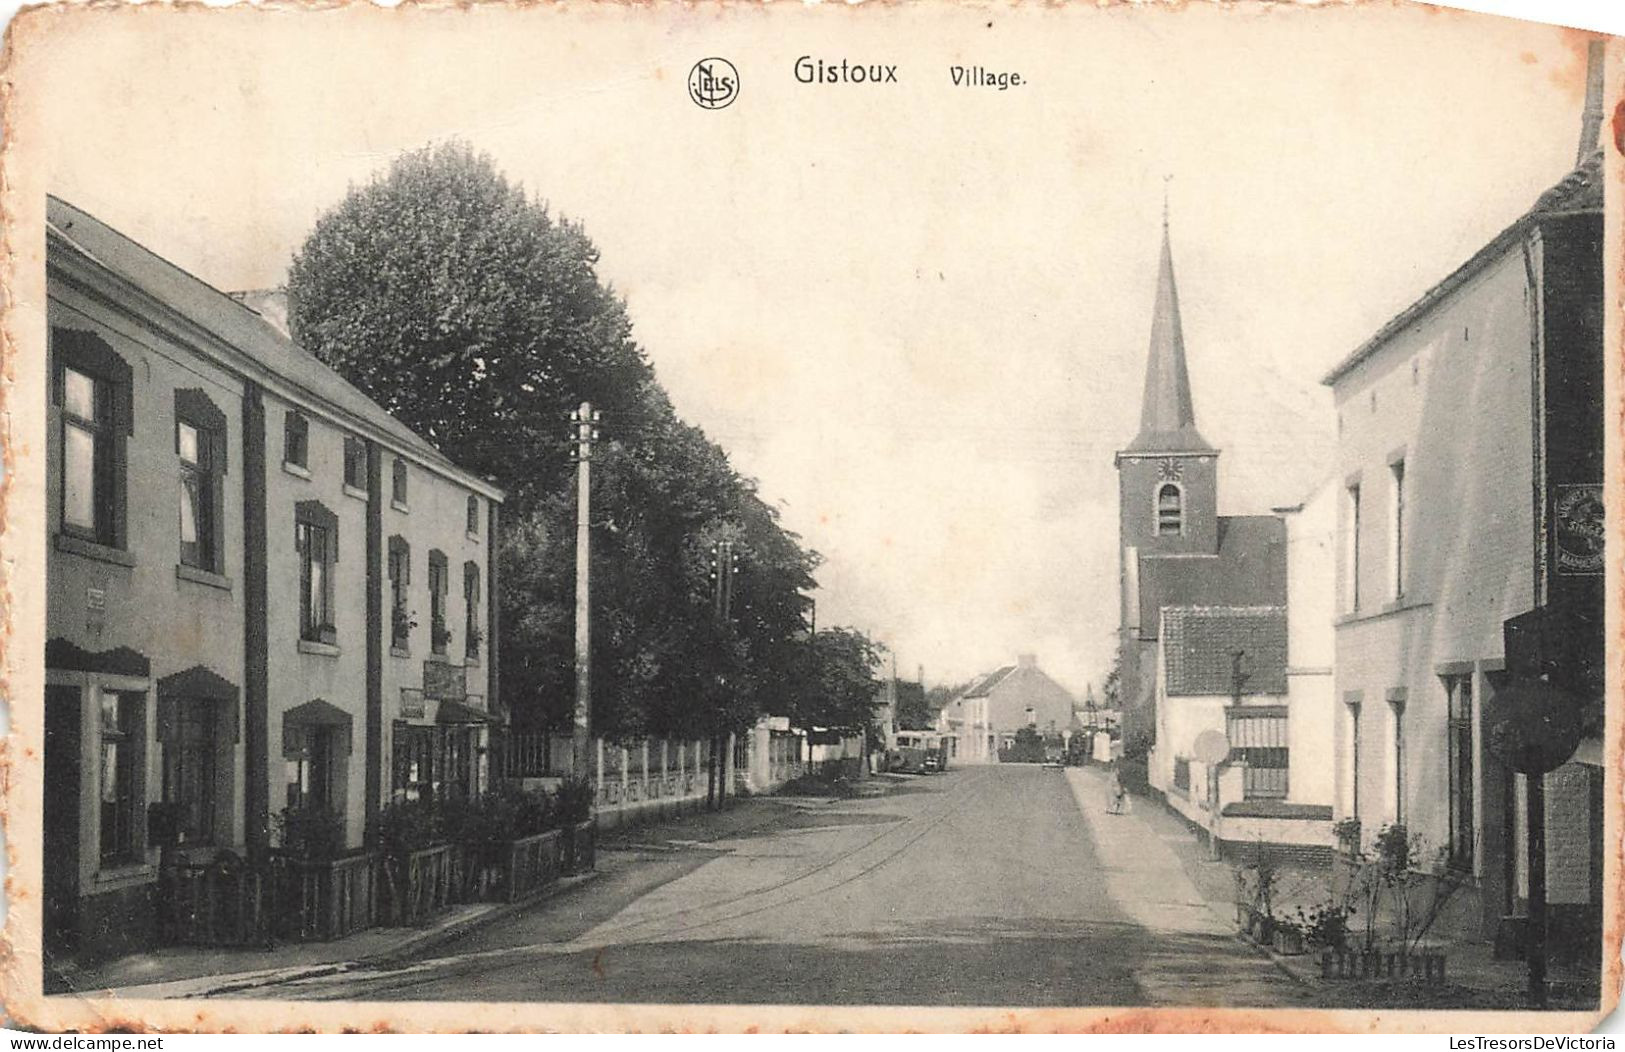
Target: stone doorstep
411, 941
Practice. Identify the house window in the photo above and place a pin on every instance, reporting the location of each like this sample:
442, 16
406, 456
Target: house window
400, 578
439, 634
1182, 774
310, 766
1258, 738
189, 768
200, 447
296, 439
397, 482
92, 388
473, 515
1459, 741
432, 762
471, 609
1397, 554
85, 428
316, 741
1352, 795
1351, 559
1170, 510
1396, 784
316, 537
355, 463
123, 733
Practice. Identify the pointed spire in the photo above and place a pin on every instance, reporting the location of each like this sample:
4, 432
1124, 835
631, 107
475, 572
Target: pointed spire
1167, 414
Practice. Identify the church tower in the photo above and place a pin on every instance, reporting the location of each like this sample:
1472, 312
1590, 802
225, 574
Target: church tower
1167, 478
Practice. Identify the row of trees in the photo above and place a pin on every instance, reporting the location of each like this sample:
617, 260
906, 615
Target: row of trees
462, 306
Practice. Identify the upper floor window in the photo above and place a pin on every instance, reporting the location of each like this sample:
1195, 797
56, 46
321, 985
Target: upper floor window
1351, 560
355, 463
439, 633
296, 439
1397, 541
200, 447
471, 609
473, 515
316, 536
92, 389
400, 579
1170, 510
397, 482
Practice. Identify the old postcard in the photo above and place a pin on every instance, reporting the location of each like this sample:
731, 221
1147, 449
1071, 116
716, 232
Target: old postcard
942, 517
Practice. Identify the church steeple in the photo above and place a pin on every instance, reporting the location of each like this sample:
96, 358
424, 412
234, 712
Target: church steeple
1167, 478
1167, 415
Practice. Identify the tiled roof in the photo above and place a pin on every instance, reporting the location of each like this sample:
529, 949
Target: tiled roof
1579, 191
1201, 642
987, 683
239, 326
1249, 570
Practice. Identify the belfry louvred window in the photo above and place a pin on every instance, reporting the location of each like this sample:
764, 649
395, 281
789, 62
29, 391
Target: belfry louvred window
1170, 510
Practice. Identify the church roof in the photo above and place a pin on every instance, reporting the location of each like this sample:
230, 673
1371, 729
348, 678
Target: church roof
1249, 569
1167, 414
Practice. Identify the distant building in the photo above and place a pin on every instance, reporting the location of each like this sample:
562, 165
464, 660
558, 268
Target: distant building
1470, 562
264, 592
987, 716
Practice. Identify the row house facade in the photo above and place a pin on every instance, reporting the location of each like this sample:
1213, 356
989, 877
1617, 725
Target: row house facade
1470, 443
265, 594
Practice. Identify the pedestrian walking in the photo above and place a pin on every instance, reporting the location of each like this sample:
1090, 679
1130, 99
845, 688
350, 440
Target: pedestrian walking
1116, 794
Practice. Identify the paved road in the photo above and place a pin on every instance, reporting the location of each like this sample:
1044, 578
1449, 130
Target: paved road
983, 886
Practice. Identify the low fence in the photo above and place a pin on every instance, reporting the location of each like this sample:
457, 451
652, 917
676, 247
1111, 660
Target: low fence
321, 900
631, 782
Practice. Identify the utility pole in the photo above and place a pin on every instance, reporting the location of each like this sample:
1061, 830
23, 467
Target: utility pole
724, 567
584, 425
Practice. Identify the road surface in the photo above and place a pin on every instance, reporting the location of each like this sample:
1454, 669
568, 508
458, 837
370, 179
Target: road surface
981, 886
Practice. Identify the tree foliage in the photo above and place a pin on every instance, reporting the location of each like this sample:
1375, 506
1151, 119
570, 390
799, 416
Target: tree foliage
469, 312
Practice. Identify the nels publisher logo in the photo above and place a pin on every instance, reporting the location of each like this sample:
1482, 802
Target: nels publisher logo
713, 83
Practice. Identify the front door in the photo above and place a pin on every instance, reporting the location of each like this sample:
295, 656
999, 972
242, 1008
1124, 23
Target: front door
61, 817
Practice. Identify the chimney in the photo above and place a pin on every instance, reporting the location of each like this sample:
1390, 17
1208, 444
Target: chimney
1026, 660
1591, 119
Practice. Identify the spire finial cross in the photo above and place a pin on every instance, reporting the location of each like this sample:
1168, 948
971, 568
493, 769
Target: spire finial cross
1165, 181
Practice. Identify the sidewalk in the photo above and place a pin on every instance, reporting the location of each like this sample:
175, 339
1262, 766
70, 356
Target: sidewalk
1159, 874
1474, 978
197, 971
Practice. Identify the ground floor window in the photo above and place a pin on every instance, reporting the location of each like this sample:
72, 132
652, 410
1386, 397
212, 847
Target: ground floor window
432, 762
1459, 742
123, 736
1258, 738
311, 769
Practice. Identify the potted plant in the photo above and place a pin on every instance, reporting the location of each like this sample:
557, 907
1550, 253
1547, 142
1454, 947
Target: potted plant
1287, 937
401, 625
439, 636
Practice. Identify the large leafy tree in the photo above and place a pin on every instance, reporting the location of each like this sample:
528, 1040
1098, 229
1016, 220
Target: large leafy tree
464, 308
475, 317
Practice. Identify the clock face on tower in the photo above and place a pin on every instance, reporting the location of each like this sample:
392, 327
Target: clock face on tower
1170, 470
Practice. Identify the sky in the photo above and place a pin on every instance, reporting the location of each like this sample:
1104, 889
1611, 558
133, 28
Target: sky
918, 314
